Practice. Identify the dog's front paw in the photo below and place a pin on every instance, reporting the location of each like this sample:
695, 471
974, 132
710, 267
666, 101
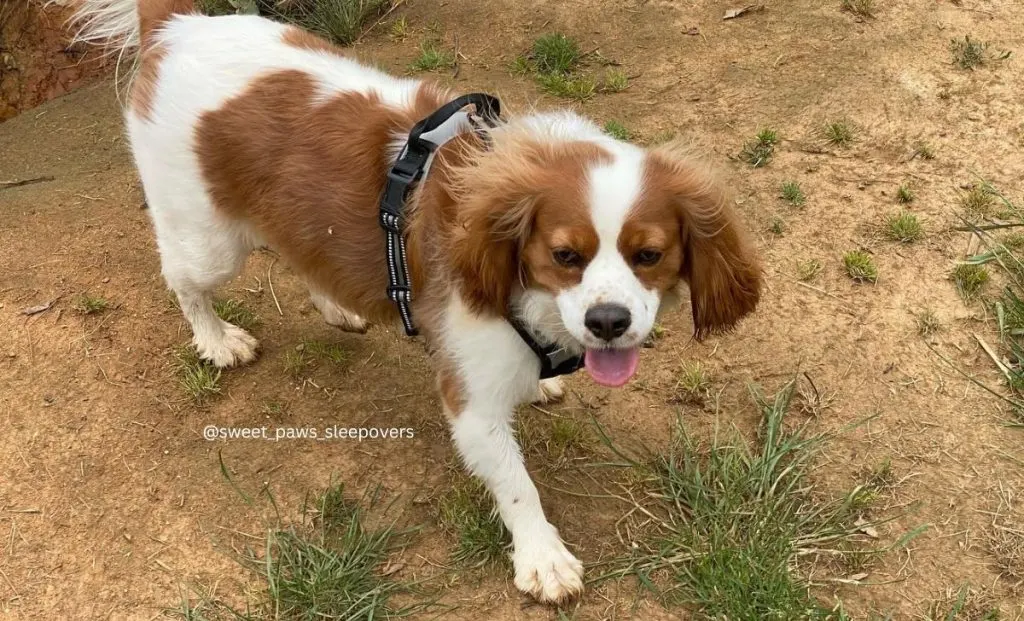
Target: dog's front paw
236, 347
546, 569
549, 391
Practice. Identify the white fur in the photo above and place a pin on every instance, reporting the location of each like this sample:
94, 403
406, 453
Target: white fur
209, 61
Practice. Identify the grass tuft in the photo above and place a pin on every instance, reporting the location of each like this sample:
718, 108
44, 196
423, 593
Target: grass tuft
964, 604
860, 266
199, 378
840, 133
87, 304
731, 518
792, 194
778, 226
860, 8
924, 151
232, 311
904, 194
340, 21
432, 57
928, 323
580, 88
759, 150
969, 279
617, 130
978, 203
808, 270
969, 54
903, 226
555, 53
466, 513
615, 81
693, 383
568, 438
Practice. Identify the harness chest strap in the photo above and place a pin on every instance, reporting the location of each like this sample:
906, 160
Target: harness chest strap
408, 170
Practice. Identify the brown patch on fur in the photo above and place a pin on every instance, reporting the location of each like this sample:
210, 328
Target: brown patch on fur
713, 255
308, 177
152, 16
302, 39
143, 88
518, 202
452, 392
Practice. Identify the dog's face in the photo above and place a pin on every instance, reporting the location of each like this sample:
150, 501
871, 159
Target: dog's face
591, 240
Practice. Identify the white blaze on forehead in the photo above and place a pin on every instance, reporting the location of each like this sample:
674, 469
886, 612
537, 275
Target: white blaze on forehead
613, 188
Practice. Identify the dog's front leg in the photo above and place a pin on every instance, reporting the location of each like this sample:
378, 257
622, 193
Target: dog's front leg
483, 435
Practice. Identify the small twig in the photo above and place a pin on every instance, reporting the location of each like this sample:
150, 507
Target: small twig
18, 183
831, 295
270, 283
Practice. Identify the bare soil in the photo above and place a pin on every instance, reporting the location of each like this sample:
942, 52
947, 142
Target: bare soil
112, 505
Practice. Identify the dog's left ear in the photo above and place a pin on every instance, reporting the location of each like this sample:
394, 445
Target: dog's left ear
720, 264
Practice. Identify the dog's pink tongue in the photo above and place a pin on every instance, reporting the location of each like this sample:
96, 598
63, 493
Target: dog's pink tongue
611, 367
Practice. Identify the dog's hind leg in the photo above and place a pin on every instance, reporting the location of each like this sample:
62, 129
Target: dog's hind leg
337, 315
198, 253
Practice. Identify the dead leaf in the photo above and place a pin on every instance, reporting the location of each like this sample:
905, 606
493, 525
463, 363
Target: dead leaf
864, 527
750, 8
35, 310
692, 31
858, 577
391, 569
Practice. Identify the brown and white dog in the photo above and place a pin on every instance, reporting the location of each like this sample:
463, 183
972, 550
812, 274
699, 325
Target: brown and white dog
248, 132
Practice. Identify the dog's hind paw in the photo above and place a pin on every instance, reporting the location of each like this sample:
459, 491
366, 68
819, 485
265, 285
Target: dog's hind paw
549, 391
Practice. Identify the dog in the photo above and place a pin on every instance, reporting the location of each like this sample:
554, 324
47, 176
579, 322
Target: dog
539, 234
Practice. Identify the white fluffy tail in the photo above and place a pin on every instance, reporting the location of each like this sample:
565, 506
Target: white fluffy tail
113, 24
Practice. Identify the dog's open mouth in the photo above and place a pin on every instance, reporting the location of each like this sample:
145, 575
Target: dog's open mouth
612, 367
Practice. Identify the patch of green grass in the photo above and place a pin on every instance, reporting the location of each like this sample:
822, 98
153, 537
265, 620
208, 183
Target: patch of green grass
568, 438
969, 54
555, 53
615, 81
964, 604
232, 311
693, 383
335, 569
339, 21
978, 202
87, 304
924, 151
330, 352
296, 362
808, 270
522, 65
432, 57
580, 88
792, 194
860, 266
399, 29
777, 226
465, 512
617, 130
903, 226
904, 194
758, 151
969, 279
861, 8
274, 409
840, 133
730, 519
662, 137
928, 323
199, 378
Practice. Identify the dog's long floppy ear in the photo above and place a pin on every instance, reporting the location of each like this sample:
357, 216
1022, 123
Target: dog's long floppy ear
496, 203
720, 264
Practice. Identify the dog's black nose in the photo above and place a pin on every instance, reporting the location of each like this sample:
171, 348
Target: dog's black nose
607, 321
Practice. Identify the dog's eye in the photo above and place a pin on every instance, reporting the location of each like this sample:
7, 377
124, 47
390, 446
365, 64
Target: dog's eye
647, 257
567, 257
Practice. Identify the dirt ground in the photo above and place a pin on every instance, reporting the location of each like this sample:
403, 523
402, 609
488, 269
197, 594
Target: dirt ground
112, 505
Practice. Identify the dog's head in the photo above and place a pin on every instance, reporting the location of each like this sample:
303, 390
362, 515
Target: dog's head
588, 239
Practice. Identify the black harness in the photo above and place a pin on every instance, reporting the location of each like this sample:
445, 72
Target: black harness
403, 177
